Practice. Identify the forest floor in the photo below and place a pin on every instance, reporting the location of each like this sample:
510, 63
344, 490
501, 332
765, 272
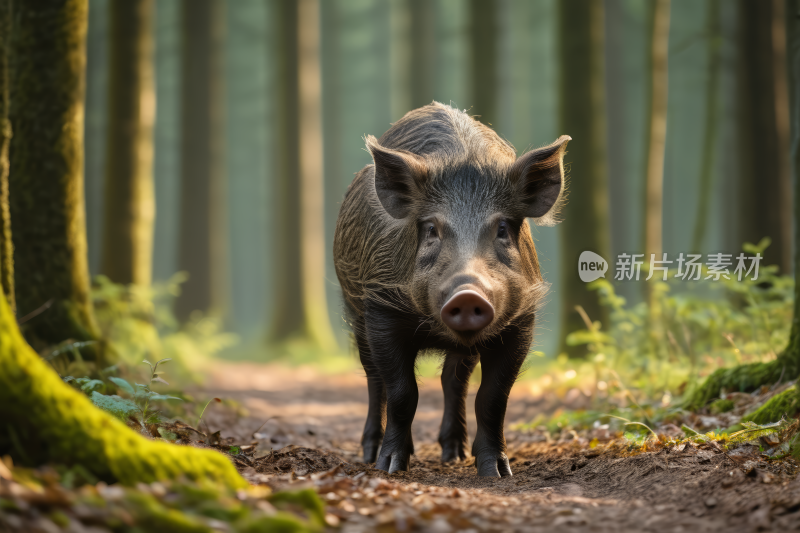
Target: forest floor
301, 428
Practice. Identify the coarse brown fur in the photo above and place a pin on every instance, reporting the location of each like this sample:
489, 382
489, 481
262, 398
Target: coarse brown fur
374, 253
433, 252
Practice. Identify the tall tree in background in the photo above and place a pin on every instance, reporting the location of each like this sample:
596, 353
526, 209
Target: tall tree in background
765, 209
413, 55
713, 46
657, 129
422, 40
483, 42
300, 251
582, 116
6, 246
202, 249
129, 202
48, 60
786, 366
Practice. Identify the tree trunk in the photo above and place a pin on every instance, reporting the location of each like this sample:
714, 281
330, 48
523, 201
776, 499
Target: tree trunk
301, 302
46, 177
6, 246
787, 365
129, 202
202, 249
766, 209
58, 424
422, 39
713, 44
656, 130
483, 22
582, 116
413, 55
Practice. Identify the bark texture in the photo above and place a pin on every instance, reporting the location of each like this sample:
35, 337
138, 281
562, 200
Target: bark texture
713, 46
763, 130
129, 199
202, 248
582, 116
6, 246
656, 130
56, 423
300, 251
483, 41
46, 180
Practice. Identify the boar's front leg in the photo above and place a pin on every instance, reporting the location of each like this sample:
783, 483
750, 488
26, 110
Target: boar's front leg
393, 356
455, 383
376, 414
501, 361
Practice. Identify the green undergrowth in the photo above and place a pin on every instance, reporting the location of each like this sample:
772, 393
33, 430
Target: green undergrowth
138, 323
68, 499
660, 349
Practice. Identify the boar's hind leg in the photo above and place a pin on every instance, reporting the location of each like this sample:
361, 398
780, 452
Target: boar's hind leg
455, 383
500, 367
376, 415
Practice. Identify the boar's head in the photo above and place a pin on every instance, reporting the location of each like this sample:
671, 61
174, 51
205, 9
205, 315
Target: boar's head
475, 270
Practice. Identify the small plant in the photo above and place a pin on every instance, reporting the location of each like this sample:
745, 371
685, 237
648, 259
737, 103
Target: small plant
139, 404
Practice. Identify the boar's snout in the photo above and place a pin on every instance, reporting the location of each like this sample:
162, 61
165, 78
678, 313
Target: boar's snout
467, 311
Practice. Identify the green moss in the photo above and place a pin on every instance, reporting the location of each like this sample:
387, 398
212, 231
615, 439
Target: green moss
721, 406
59, 424
743, 378
305, 499
47, 65
785, 403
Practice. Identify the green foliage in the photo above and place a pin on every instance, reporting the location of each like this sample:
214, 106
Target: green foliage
138, 323
121, 408
138, 405
686, 329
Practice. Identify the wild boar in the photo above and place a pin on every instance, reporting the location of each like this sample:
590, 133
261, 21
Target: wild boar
434, 253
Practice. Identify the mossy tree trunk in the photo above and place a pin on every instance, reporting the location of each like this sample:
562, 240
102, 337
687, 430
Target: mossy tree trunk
129, 201
582, 116
6, 246
202, 250
44, 420
301, 309
787, 365
47, 65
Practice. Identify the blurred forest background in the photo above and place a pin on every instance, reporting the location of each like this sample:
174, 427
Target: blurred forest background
239, 95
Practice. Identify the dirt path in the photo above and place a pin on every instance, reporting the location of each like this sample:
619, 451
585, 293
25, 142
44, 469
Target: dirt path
316, 424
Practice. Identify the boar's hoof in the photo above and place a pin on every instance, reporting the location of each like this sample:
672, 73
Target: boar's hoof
453, 451
393, 462
493, 465
370, 450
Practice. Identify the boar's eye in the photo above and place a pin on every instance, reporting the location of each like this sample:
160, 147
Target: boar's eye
430, 231
502, 230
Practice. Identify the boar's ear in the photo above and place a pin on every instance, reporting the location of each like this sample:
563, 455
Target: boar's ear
539, 179
399, 177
